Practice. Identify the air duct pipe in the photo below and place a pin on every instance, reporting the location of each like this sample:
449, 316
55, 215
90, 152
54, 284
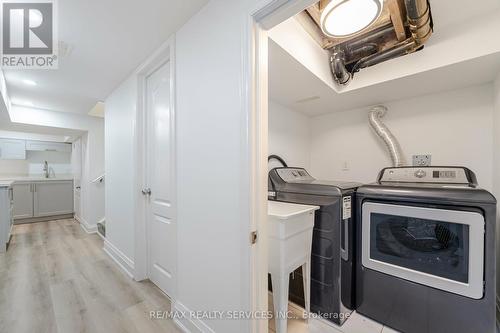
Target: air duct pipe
337, 64
385, 134
368, 49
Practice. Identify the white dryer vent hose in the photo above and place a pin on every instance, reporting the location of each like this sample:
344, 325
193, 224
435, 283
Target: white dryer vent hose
375, 116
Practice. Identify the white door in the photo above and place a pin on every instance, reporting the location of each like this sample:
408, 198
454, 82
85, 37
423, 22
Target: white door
161, 222
76, 162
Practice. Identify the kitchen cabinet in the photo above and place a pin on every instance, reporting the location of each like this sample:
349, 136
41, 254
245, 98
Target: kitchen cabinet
6, 219
12, 149
23, 200
53, 198
43, 198
48, 146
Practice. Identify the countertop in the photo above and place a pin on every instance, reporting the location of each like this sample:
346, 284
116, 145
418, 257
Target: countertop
32, 178
6, 183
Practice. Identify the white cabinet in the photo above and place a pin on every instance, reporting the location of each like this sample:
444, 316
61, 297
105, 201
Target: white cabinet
12, 149
48, 146
23, 200
43, 198
53, 198
5, 216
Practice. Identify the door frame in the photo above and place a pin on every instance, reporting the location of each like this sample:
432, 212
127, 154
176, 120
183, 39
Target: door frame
77, 142
166, 53
266, 15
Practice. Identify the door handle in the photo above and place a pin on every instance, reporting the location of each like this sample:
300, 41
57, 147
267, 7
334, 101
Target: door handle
146, 191
78, 187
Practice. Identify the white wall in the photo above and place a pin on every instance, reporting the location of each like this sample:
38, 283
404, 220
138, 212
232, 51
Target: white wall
212, 200
59, 162
212, 163
120, 167
455, 127
289, 136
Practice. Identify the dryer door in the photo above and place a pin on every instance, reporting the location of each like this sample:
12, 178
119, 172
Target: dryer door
439, 248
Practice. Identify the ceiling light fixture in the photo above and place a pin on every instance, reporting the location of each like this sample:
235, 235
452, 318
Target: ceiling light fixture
342, 18
29, 82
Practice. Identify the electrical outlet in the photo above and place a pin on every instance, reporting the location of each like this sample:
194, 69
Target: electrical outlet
422, 160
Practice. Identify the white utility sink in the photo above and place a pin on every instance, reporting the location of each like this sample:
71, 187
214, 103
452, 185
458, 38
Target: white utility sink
290, 241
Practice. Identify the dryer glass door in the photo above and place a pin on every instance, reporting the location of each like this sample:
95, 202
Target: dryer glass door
440, 248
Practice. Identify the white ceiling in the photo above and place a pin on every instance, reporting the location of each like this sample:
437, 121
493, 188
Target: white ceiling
110, 38
293, 85
446, 13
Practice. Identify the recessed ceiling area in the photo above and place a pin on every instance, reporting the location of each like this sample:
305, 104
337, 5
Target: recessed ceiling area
294, 86
457, 56
108, 40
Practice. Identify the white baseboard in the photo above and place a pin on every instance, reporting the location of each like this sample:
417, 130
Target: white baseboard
124, 262
88, 228
189, 325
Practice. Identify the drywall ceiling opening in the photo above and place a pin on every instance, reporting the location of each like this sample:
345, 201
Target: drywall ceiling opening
300, 77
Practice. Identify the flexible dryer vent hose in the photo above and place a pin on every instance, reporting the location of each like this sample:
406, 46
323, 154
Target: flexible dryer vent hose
385, 134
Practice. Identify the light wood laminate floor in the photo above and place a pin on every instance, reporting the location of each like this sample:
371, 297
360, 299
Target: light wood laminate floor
55, 278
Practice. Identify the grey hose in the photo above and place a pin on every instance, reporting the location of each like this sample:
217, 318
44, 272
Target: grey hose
385, 134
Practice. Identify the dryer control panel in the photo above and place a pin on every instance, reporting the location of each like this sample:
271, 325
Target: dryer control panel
435, 175
294, 175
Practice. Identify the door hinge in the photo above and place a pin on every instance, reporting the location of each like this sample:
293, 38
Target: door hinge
253, 237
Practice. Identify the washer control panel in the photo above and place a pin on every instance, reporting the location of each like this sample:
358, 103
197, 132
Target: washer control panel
441, 175
294, 175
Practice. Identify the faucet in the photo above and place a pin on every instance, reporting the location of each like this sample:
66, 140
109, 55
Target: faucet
46, 169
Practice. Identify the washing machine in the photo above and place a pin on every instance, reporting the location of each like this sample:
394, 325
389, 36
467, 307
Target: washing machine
332, 258
426, 251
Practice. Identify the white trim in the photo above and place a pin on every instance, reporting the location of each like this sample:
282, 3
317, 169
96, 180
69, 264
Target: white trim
166, 53
99, 234
265, 15
88, 228
273, 12
188, 324
475, 221
124, 262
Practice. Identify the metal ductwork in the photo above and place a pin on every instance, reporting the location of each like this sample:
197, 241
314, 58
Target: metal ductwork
403, 28
375, 116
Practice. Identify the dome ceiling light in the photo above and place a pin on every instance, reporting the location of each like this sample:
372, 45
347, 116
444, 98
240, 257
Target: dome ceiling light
342, 18
363, 33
